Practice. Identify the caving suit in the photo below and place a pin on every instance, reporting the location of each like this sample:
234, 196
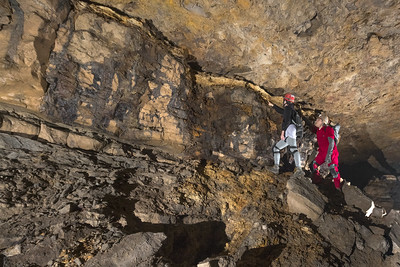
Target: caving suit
327, 151
290, 136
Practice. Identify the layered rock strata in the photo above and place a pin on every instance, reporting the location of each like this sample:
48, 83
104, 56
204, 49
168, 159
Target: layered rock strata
123, 68
342, 57
148, 129
64, 204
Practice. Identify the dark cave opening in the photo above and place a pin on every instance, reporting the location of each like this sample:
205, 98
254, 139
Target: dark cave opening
359, 174
185, 245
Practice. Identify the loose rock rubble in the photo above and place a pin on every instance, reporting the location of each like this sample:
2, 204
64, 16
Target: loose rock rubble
125, 204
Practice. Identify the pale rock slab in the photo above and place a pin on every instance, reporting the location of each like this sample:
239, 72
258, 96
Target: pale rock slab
304, 197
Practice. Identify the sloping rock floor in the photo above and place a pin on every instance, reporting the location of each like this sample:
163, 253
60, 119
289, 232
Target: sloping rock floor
139, 206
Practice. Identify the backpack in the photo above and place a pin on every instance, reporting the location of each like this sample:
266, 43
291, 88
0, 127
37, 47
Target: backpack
298, 122
336, 129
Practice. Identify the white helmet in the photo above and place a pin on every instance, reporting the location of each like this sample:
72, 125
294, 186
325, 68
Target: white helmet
324, 118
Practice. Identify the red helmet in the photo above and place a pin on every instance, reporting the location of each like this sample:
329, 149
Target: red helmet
289, 97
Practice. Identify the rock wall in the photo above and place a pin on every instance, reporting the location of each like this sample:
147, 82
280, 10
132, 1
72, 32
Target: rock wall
27, 35
148, 92
115, 78
123, 68
341, 57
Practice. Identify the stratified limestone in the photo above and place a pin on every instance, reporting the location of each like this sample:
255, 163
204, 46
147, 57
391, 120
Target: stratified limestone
121, 67
339, 56
65, 206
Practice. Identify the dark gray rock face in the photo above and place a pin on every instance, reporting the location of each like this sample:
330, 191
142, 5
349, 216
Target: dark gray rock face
339, 231
372, 237
355, 197
395, 236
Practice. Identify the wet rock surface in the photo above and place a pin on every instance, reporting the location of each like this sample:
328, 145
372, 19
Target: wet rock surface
136, 204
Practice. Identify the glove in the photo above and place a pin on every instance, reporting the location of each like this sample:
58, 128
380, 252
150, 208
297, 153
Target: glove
324, 169
324, 166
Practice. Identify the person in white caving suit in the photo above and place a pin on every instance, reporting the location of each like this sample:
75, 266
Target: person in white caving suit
288, 135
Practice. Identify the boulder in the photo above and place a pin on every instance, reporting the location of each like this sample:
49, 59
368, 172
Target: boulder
395, 236
373, 237
355, 197
378, 243
338, 231
304, 197
133, 250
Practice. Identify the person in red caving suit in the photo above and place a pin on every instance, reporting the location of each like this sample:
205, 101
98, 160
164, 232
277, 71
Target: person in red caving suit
327, 151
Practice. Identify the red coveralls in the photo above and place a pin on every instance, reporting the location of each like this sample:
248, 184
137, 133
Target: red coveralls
323, 144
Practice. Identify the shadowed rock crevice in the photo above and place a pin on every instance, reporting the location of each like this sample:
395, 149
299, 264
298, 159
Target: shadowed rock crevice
359, 174
185, 245
45, 41
260, 256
